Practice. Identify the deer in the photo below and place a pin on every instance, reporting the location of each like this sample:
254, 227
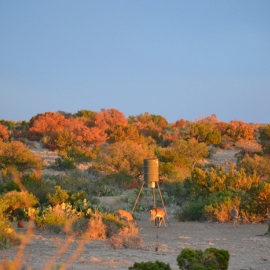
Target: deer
158, 216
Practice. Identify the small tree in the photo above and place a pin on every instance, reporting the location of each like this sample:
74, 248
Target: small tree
15, 154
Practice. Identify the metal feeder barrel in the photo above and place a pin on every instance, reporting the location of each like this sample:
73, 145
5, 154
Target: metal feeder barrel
151, 174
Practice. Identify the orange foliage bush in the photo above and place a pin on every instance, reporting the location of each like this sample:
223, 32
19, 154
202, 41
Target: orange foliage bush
83, 135
180, 123
59, 132
237, 130
44, 124
108, 119
4, 132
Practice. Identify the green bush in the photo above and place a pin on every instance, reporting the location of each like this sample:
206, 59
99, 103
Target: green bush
194, 211
219, 206
113, 184
64, 163
211, 259
57, 217
39, 188
9, 186
60, 196
150, 266
9, 203
77, 153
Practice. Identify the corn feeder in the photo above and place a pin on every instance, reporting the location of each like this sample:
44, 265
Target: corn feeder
151, 180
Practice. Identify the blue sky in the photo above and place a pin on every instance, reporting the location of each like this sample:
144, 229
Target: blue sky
179, 59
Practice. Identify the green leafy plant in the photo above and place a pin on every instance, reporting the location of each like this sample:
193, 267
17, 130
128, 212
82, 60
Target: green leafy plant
211, 259
150, 266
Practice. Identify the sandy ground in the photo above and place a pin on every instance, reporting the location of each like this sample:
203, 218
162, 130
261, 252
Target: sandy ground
247, 246
223, 157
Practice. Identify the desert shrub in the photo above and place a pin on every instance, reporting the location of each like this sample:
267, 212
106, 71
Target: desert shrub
176, 191
170, 172
77, 153
257, 164
110, 217
213, 137
14, 200
60, 196
237, 130
121, 233
80, 225
113, 184
126, 241
150, 266
55, 218
73, 181
194, 210
211, 193
107, 190
40, 189
77, 199
116, 225
66, 163
96, 228
211, 258
8, 203
9, 124
168, 200
8, 237
9, 186
15, 154
219, 206
264, 133
51, 220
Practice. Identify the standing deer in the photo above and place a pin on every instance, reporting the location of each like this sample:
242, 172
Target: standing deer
157, 215
235, 216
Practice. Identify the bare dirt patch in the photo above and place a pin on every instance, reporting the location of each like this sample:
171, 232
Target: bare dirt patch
247, 246
223, 157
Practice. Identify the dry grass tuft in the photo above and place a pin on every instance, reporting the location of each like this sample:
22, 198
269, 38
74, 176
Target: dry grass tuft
126, 237
96, 228
126, 241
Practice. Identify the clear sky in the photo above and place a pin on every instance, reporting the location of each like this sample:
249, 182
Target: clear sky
179, 59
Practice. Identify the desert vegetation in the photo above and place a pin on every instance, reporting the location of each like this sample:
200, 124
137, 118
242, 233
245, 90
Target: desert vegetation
101, 154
